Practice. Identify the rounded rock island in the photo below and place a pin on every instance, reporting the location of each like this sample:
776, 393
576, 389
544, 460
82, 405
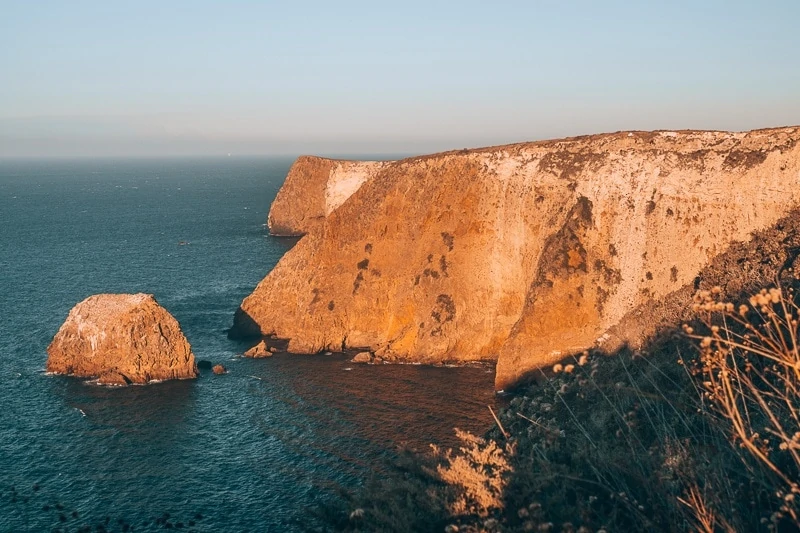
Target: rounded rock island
121, 339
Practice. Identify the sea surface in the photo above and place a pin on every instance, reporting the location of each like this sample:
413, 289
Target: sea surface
254, 450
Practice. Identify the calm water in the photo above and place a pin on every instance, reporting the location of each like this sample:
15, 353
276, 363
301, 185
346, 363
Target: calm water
251, 450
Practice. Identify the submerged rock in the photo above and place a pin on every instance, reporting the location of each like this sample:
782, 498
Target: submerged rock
121, 338
259, 350
523, 254
204, 365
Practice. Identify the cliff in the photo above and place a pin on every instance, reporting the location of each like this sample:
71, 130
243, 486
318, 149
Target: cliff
121, 338
314, 188
524, 253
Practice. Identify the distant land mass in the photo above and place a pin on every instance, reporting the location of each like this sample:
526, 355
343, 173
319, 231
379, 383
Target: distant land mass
522, 254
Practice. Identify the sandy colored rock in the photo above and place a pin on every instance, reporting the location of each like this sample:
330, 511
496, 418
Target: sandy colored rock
362, 357
259, 350
121, 337
219, 370
524, 253
314, 188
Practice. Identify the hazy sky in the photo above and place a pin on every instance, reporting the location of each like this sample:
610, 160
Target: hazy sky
197, 77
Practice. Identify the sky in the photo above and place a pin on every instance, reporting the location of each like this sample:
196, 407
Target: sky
113, 78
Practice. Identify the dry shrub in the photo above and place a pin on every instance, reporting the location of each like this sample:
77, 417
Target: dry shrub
705, 517
478, 472
750, 371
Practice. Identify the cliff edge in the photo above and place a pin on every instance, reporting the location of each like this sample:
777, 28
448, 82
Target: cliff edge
315, 187
121, 339
524, 253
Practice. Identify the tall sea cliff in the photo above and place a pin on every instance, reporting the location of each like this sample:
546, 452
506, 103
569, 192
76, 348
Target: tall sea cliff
522, 254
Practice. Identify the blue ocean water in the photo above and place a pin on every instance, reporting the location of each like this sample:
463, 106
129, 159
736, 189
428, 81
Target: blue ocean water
255, 449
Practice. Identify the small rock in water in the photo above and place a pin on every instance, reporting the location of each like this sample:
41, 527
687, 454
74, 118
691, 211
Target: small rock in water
362, 357
259, 350
219, 369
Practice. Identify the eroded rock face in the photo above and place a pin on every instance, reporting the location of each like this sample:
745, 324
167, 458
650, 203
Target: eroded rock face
259, 350
523, 253
313, 189
121, 338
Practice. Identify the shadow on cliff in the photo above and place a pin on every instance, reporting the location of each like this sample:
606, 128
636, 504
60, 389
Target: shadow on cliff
244, 328
742, 270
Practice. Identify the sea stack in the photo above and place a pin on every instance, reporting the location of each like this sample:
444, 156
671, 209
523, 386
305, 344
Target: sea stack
121, 339
522, 254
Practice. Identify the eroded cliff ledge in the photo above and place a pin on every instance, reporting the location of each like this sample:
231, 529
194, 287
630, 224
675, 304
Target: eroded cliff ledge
314, 188
523, 253
121, 339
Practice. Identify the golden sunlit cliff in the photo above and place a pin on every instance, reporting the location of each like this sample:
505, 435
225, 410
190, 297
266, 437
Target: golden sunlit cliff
522, 254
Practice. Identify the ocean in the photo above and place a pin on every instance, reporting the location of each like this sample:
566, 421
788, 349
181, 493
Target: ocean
257, 449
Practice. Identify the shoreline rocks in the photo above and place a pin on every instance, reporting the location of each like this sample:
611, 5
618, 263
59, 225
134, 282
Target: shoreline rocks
362, 357
259, 350
121, 339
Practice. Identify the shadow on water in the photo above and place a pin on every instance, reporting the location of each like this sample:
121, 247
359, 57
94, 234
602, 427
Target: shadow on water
146, 409
353, 410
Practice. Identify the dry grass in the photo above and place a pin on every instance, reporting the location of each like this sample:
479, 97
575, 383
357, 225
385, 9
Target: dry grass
478, 471
750, 370
706, 520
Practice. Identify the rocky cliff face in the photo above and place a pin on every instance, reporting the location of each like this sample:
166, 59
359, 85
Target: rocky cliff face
121, 338
313, 189
525, 253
